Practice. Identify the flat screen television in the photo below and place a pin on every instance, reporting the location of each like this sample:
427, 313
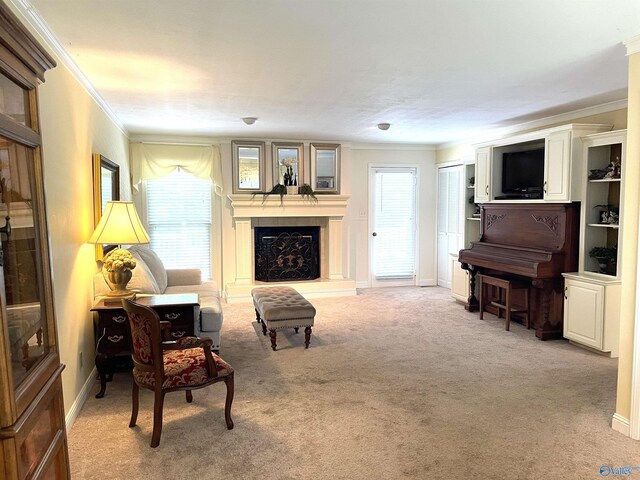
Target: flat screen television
523, 172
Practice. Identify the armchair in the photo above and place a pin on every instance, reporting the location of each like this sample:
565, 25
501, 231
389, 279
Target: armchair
166, 366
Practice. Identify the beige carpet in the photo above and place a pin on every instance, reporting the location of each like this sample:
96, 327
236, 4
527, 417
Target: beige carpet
397, 383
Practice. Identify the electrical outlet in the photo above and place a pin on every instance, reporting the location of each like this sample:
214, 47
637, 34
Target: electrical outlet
80, 359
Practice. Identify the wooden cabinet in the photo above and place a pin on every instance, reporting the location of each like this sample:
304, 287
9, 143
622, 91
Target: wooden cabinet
112, 333
592, 312
33, 441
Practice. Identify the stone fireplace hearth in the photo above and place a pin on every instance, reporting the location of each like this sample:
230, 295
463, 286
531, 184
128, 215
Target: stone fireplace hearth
326, 215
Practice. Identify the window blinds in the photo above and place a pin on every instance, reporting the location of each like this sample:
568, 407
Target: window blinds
395, 223
179, 220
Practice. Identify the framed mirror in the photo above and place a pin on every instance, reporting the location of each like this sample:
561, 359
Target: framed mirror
106, 186
287, 157
325, 167
248, 166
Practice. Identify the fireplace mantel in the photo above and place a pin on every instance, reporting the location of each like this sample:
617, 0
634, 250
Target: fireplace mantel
249, 206
331, 209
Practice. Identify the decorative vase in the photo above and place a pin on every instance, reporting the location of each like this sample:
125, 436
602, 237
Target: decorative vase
603, 263
118, 280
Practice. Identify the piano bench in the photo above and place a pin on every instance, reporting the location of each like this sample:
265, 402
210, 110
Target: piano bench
505, 285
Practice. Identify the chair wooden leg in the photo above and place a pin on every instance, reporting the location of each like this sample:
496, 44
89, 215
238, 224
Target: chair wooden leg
158, 403
507, 312
189, 396
526, 303
135, 391
481, 290
227, 405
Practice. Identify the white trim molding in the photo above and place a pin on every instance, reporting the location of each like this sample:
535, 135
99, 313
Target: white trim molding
620, 424
633, 45
80, 400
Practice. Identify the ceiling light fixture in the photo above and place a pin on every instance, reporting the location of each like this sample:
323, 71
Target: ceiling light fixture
384, 126
249, 120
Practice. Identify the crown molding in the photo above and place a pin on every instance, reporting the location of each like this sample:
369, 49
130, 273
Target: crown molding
394, 146
633, 45
37, 23
566, 117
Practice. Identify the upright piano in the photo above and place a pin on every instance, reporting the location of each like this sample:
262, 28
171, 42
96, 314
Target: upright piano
530, 241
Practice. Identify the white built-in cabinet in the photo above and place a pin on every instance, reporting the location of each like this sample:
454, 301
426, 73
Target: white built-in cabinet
592, 295
557, 167
563, 162
483, 174
470, 230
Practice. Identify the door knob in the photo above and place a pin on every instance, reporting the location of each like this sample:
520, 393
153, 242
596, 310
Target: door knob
374, 234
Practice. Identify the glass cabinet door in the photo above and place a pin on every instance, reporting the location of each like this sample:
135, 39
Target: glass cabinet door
21, 283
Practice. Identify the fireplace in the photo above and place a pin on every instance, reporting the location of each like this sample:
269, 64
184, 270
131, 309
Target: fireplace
286, 253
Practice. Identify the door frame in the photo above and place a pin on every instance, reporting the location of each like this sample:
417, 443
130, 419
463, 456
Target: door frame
372, 208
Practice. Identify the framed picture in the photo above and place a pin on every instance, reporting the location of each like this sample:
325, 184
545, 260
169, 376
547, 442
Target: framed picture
325, 167
106, 186
287, 163
248, 166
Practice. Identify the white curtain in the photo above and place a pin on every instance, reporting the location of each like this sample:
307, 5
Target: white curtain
154, 160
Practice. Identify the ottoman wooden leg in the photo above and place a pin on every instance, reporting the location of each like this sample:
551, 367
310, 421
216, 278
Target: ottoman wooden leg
264, 329
307, 336
295, 329
257, 316
272, 335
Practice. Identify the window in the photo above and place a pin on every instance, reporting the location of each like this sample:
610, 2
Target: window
179, 220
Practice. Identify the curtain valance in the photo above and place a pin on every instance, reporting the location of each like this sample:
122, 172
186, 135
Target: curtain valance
154, 160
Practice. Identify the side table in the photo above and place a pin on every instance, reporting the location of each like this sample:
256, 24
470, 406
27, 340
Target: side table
112, 334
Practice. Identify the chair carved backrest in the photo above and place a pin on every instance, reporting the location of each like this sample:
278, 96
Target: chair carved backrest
146, 338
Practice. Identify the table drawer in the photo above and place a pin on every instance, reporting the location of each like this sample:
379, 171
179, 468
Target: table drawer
113, 340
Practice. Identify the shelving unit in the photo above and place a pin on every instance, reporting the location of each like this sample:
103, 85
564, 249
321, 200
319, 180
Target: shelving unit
592, 295
472, 224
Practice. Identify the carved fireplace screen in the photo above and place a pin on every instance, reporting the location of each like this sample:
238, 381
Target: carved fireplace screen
287, 253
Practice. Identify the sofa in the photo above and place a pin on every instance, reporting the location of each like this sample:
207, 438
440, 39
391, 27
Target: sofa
151, 278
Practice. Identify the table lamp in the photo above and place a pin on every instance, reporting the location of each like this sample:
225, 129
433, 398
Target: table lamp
119, 225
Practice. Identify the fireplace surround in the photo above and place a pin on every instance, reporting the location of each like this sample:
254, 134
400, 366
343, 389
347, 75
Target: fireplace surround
327, 213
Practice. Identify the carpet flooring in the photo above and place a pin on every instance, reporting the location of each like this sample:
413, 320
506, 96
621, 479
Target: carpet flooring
397, 383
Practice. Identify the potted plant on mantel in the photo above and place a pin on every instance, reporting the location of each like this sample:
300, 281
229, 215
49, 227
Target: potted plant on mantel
603, 255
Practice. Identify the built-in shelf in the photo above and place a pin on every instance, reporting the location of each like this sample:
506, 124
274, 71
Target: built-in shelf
477, 219
471, 186
604, 225
605, 180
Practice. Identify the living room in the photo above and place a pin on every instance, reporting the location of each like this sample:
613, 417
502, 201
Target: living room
77, 122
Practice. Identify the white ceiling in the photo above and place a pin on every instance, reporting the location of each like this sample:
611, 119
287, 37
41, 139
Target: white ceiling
437, 70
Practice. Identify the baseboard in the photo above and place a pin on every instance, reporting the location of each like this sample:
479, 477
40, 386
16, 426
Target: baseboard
74, 411
428, 282
621, 425
364, 284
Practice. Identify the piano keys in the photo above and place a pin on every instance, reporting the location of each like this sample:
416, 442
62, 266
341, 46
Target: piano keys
532, 241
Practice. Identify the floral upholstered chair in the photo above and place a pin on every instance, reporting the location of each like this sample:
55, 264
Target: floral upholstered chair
166, 366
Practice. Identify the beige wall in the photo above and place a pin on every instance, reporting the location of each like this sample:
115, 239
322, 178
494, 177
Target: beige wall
73, 128
629, 240
357, 171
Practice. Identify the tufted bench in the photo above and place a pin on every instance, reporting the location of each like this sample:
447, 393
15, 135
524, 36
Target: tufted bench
282, 307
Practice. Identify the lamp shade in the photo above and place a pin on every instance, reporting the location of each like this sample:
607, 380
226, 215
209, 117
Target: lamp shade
119, 225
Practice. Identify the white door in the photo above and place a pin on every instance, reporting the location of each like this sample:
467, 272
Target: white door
392, 227
450, 219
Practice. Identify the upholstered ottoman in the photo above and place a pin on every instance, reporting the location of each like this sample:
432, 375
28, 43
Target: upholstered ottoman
282, 307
